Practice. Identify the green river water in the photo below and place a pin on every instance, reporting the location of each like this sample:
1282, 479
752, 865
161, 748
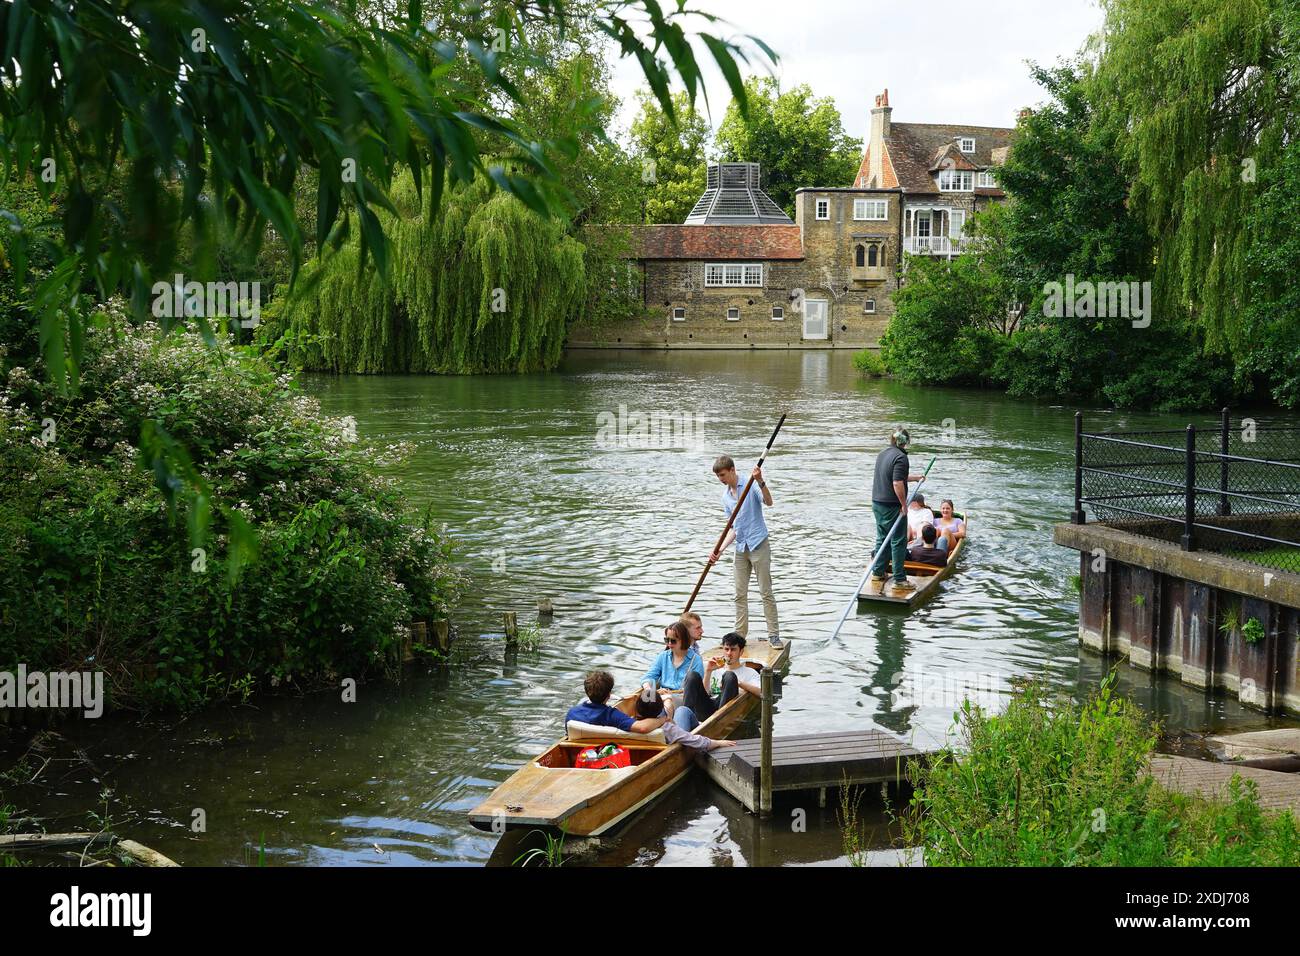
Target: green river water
544, 502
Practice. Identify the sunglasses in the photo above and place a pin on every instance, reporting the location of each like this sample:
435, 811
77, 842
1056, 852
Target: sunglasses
672, 641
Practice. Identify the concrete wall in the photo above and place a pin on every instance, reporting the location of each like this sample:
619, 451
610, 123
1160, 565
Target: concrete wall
1184, 612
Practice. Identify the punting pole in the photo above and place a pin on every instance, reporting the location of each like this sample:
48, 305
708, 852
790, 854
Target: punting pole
853, 602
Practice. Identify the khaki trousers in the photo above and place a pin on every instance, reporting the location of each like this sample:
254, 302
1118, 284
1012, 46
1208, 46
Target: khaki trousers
760, 560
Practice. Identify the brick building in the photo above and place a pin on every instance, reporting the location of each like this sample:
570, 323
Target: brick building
739, 273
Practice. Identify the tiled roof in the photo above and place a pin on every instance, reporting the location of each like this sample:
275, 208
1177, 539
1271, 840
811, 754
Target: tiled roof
888, 179
913, 149
717, 242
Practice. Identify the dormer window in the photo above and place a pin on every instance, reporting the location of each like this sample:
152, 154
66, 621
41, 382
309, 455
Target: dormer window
966, 144
956, 181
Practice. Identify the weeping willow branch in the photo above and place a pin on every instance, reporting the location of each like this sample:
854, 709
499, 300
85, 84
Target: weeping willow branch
482, 284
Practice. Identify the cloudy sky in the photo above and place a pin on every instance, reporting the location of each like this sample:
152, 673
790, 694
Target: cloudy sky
943, 61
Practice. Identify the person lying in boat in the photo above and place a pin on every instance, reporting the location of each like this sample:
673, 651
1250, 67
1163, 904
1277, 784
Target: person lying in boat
725, 676
678, 658
673, 732
596, 710
918, 516
933, 549
949, 522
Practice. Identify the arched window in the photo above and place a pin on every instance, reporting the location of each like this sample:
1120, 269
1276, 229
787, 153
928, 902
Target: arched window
860, 256
872, 256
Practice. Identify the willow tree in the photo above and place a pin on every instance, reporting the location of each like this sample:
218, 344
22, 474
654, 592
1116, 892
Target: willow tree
479, 284
1198, 92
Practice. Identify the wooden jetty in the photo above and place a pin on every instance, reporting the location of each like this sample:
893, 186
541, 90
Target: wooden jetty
811, 762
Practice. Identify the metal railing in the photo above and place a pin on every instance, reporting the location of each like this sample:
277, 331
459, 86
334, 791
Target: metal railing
931, 245
1233, 490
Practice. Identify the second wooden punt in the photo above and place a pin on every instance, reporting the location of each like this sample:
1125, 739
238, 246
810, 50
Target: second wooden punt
924, 577
549, 793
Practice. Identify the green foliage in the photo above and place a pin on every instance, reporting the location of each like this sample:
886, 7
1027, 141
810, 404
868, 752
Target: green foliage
1053, 783
98, 569
550, 854
1271, 322
945, 325
1252, 632
351, 97
868, 361
1195, 91
481, 285
799, 139
674, 152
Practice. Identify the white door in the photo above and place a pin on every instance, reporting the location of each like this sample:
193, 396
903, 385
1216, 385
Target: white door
814, 318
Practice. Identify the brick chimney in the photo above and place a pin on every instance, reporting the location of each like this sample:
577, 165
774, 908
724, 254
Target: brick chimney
879, 130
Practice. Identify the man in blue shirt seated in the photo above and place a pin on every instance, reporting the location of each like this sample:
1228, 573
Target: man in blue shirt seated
595, 710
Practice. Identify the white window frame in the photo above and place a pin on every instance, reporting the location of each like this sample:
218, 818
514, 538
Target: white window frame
679, 318
723, 275
985, 179
869, 307
955, 232
871, 210
731, 309
778, 313
823, 210
947, 178
963, 140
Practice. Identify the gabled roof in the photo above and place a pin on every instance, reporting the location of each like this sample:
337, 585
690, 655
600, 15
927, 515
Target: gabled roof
913, 149
888, 180
717, 242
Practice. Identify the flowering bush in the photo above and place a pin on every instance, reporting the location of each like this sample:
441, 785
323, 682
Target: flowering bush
95, 568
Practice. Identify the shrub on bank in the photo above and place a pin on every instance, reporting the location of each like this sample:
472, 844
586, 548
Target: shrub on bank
868, 361
95, 571
1053, 783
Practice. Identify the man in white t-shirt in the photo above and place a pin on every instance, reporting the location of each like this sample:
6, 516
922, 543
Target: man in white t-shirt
725, 679
918, 516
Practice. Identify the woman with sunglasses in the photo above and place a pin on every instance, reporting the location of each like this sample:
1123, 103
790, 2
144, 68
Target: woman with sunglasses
678, 658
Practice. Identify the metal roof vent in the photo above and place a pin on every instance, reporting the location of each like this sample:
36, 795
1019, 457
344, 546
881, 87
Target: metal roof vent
733, 197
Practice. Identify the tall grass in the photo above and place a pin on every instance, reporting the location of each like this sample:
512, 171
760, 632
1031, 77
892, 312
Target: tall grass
1051, 782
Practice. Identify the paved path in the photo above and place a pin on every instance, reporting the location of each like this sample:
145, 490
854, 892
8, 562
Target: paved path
1277, 791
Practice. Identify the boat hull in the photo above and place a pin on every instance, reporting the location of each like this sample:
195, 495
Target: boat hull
922, 577
592, 803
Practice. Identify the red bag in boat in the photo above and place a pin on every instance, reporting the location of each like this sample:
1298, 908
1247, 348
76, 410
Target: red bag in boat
608, 757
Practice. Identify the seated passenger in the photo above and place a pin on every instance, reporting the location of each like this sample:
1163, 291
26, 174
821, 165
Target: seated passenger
595, 710
949, 522
918, 516
668, 672
732, 678
933, 550
674, 732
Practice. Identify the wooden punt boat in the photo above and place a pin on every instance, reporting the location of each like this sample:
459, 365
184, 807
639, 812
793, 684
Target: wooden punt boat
549, 793
924, 577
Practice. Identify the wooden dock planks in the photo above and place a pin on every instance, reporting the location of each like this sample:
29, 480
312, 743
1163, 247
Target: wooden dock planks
812, 762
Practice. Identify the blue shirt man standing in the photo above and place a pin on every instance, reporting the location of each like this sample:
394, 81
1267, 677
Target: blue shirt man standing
753, 550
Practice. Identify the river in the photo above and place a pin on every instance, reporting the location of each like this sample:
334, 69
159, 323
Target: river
548, 485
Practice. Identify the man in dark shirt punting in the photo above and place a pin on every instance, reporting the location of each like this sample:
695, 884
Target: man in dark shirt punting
888, 497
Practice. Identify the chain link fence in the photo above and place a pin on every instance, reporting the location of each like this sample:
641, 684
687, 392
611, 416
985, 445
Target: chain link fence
1232, 487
